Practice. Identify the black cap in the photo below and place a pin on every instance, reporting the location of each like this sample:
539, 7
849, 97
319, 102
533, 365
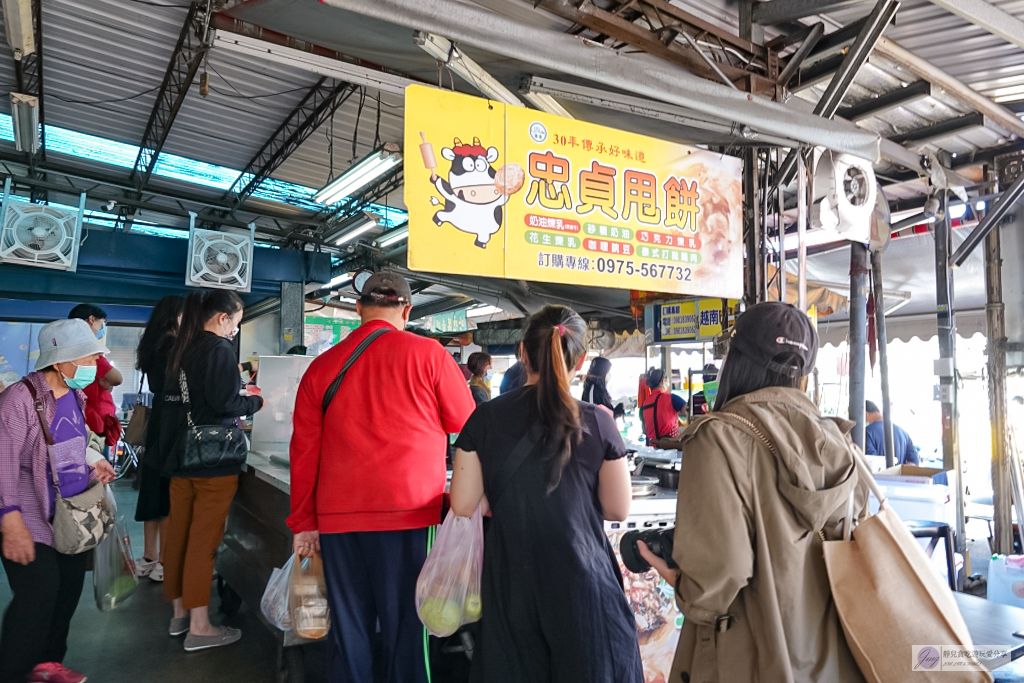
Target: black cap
709, 373
376, 283
773, 329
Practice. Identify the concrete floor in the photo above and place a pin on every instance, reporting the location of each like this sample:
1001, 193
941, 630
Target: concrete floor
130, 644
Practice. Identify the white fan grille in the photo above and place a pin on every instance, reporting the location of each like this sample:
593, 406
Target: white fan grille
220, 260
41, 236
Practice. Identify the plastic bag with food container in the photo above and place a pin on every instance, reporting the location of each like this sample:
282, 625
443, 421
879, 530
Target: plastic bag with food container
448, 588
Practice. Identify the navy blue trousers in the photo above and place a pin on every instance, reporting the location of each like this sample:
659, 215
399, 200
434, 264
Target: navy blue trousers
371, 579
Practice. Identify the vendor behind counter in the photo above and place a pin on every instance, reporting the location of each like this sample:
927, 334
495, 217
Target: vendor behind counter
660, 410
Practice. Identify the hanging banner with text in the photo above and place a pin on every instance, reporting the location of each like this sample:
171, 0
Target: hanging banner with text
504, 191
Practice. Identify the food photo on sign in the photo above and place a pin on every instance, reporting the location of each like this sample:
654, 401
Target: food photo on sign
504, 191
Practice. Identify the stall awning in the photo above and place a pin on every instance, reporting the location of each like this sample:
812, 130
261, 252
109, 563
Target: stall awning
905, 328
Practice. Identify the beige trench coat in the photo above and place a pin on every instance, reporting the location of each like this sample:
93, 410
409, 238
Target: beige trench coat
753, 586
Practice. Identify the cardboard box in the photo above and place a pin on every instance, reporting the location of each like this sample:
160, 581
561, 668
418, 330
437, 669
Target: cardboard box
908, 474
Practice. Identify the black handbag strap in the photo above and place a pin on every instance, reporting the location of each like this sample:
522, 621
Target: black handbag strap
657, 433
363, 345
503, 477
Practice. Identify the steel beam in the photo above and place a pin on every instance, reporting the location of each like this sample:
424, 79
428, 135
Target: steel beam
783, 11
28, 72
996, 211
858, 337
901, 97
940, 130
448, 303
946, 324
985, 14
797, 59
882, 340
995, 315
316, 107
624, 30
751, 228
351, 206
181, 71
827, 106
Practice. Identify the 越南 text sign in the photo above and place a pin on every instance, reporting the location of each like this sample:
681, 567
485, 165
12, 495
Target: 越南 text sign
503, 191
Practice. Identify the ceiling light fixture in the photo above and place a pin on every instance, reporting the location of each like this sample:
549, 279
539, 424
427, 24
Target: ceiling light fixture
393, 236
25, 121
377, 164
18, 26
957, 211
340, 281
353, 229
445, 52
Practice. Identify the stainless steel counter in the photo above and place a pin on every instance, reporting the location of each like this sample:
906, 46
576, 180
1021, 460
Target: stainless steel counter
278, 476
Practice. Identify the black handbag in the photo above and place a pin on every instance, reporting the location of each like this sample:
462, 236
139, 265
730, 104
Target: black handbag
209, 446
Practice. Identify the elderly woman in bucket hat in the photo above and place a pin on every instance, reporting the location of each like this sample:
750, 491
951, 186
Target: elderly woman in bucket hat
46, 584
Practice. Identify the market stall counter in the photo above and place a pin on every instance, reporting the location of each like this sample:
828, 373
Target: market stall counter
255, 542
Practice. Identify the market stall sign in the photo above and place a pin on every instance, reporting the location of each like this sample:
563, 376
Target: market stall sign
322, 333
682, 321
504, 191
448, 323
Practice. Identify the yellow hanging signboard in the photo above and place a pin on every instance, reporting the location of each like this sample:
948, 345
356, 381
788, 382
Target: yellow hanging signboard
504, 191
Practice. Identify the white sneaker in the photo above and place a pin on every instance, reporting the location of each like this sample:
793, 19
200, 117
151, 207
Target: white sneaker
144, 567
157, 574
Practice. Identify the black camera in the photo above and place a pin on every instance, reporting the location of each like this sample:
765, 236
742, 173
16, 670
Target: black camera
658, 540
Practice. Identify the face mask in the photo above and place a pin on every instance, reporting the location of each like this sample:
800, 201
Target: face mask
233, 334
103, 332
489, 374
84, 376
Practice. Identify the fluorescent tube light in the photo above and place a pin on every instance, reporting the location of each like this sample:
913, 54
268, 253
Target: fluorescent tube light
312, 63
377, 164
957, 211
443, 51
340, 280
368, 223
18, 26
25, 121
393, 236
980, 206
483, 311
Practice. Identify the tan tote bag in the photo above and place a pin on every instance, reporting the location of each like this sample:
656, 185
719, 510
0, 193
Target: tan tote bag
890, 598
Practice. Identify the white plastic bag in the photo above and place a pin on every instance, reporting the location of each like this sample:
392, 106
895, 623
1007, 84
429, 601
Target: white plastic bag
448, 588
274, 603
307, 598
113, 574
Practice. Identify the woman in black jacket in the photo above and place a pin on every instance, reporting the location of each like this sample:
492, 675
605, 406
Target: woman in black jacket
595, 387
154, 503
205, 361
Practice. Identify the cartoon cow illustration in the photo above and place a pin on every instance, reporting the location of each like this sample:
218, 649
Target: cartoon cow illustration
473, 201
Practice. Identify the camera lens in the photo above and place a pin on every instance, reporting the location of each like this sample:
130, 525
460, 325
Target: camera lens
658, 540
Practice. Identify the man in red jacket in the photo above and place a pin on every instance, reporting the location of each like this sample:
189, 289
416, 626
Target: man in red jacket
368, 476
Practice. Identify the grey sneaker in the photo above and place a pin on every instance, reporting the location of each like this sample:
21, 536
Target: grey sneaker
179, 627
226, 636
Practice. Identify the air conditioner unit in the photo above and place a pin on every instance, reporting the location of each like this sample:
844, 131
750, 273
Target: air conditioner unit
844, 196
39, 235
221, 260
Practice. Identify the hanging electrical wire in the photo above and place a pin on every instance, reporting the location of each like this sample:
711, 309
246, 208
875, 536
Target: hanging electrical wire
376, 135
108, 101
330, 146
355, 131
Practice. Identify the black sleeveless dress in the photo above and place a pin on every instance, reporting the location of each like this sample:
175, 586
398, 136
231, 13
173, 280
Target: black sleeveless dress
553, 604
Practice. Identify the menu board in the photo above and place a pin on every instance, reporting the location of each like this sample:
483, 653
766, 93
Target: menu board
505, 191
658, 619
322, 333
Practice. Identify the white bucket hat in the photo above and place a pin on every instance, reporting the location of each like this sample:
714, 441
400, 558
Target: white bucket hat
67, 340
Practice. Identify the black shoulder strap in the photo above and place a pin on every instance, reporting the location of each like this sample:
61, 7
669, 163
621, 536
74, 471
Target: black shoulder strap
657, 433
513, 462
363, 345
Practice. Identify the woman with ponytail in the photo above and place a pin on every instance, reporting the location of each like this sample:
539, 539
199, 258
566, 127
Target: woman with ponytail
206, 362
550, 469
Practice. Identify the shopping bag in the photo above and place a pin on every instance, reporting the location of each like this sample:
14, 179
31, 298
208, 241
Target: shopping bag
307, 598
448, 588
889, 599
113, 574
274, 603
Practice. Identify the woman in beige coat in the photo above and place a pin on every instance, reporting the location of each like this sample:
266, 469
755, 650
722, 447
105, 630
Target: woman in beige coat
751, 578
